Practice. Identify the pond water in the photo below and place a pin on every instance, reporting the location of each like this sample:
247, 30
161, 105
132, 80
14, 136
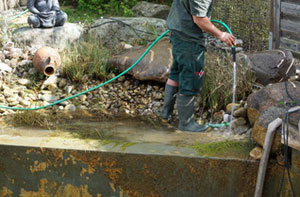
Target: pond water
128, 136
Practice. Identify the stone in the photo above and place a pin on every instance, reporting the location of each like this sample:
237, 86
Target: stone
240, 112
4, 68
256, 153
230, 105
25, 102
48, 98
50, 82
14, 53
240, 130
70, 108
235, 123
114, 30
24, 81
62, 83
57, 37
23, 3
269, 66
155, 66
24, 63
146, 9
276, 95
2, 56
261, 126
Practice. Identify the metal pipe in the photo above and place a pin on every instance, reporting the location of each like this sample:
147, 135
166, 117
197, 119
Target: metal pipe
265, 156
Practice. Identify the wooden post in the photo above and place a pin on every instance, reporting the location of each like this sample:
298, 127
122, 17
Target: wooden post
276, 23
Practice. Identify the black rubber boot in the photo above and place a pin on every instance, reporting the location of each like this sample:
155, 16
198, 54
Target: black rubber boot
185, 106
169, 101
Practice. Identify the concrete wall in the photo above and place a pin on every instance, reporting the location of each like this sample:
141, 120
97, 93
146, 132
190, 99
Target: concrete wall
26, 171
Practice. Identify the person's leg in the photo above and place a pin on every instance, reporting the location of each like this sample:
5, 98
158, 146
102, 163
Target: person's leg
171, 90
171, 87
191, 66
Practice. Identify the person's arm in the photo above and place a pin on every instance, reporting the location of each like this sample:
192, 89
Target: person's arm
206, 25
31, 7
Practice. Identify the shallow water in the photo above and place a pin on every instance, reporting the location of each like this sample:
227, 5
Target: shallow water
130, 135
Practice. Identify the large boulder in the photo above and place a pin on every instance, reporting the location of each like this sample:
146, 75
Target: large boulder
271, 102
57, 37
282, 95
154, 66
112, 31
261, 126
269, 66
147, 9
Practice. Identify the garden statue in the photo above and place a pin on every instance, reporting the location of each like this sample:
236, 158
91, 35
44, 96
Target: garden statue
46, 13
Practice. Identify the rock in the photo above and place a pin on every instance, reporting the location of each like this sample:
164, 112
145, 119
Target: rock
23, 2
112, 31
69, 89
4, 68
2, 56
57, 37
235, 123
230, 105
8, 46
62, 83
155, 66
24, 81
240, 130
70, 108
24, 63
261, 125
25, 102
256, 153
50, 83
240, 112
269, 66
14, 53
82, 98
48, 98
274, 95
147, 9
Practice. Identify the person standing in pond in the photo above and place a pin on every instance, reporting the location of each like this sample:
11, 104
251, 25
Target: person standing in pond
189, 22
46, 14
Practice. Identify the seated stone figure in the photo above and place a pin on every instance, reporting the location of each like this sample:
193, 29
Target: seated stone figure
46, 13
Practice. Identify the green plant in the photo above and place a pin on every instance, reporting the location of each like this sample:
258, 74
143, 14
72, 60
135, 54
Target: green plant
217, 88
111, 7
85, 60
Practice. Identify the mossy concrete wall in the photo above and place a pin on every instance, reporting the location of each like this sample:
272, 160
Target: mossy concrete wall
26, 171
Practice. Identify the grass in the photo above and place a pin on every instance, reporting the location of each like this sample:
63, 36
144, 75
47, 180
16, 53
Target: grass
238, 149
84, 60
84, 16
217, 88
34, 118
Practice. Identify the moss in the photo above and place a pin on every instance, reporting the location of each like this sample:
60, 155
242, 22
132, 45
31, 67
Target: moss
237, 149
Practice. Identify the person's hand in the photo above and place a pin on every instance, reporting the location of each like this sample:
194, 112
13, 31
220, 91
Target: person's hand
227, 38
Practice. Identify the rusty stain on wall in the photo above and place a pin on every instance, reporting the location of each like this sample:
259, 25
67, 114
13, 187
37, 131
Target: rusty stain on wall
38, 167
5, 192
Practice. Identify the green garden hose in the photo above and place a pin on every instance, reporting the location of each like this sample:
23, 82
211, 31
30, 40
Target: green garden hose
104, 83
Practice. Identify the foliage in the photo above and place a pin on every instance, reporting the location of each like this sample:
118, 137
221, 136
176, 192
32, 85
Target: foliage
85, 16
217, 88
33, 118
85, 60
